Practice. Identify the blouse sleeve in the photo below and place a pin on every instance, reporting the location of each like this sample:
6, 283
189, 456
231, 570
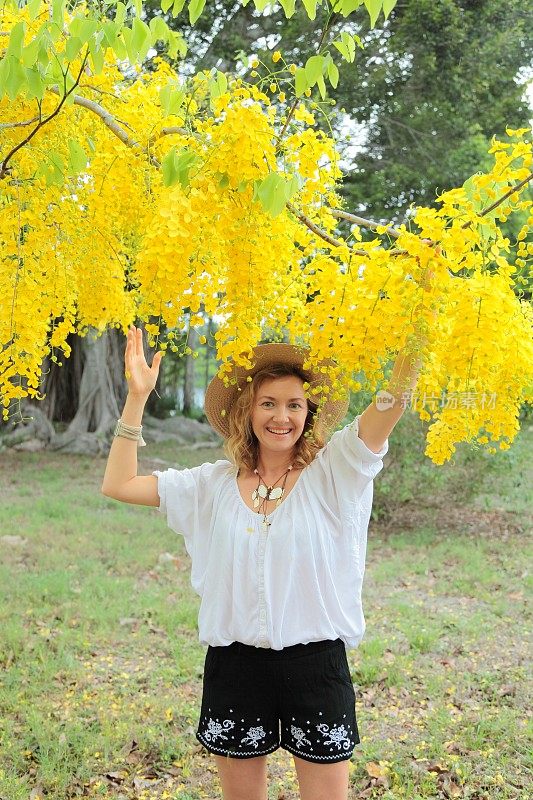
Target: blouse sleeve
348, 466
186, 497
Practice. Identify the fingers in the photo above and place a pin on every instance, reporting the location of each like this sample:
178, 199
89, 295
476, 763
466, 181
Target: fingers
134, 341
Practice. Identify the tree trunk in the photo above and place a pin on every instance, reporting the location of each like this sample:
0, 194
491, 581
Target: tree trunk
101, 394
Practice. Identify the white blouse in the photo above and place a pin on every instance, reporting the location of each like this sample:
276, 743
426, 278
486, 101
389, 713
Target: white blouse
298, 581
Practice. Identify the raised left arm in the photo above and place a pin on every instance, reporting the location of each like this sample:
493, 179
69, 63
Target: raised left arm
377, 421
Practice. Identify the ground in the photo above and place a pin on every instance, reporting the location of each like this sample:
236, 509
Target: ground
101, 669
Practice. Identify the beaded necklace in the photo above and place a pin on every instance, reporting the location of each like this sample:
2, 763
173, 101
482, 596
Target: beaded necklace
263, 493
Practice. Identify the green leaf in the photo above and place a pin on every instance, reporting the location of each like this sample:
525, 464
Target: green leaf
73, 47
97, 57
16, 40
177, 7
289, 7
176, 167
171, 98
35, 84
83, 29
346, 46
165, 5
349, 6
373, 7
4, 72
313, 69
52, 169
15, 79
176, 44
186, 160
321, 87
310, 7
195, 10
218, 84
169, 168
77, 157
388, 5
119, 49
158, 29
224, 181
31, 52
127, 36
300, 81
120, 16
58, 12
274, 192
138, 8
333, 74
141, 39
110, 31
33, 8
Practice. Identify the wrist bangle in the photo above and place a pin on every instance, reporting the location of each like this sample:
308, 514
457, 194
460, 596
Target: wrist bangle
130, 432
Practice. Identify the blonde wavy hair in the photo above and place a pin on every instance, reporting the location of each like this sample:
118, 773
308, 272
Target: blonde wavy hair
242, 445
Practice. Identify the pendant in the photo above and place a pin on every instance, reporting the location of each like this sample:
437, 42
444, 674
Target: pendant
276, 494
262, 491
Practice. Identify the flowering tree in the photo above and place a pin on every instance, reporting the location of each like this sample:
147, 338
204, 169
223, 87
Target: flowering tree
129, 196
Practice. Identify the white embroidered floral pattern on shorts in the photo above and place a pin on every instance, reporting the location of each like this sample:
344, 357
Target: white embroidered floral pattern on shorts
254, 736
299, 736
215, 729
337, 736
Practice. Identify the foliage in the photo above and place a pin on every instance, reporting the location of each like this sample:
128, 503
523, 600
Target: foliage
424, 95
434, 84
178, 199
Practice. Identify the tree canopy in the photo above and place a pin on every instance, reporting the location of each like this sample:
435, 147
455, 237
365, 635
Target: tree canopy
146, 195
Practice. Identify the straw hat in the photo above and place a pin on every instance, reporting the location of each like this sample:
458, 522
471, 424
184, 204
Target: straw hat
219, 397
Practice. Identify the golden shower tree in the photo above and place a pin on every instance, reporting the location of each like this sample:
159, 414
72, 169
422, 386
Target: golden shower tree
150, 197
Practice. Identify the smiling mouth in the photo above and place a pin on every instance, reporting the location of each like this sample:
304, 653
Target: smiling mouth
281, 432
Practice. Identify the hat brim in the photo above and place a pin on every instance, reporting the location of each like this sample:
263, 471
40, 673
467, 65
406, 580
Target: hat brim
220, 398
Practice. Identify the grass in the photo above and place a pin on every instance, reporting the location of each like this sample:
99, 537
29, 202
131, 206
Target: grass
101, 669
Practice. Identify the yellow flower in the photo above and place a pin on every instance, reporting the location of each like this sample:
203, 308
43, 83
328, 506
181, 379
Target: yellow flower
276, 56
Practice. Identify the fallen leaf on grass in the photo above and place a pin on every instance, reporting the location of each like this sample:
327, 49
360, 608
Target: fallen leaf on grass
378, 774
116, 777
129, 621
375, 770
144, 783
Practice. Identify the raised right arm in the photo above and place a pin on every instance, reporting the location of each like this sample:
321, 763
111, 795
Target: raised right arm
121, 481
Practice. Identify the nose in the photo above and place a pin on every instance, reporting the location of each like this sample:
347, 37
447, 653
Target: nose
281, 415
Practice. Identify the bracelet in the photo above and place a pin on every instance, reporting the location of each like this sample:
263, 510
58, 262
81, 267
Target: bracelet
130, 432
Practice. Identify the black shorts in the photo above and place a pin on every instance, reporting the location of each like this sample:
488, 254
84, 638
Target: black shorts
300, 698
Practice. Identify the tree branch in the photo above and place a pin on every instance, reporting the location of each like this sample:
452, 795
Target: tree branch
4, 163
364, 223
319, 232
109, 121
5, 125
507, 194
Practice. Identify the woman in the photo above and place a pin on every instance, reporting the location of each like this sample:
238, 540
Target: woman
277, 537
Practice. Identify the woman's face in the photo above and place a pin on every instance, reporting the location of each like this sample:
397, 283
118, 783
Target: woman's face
279, 413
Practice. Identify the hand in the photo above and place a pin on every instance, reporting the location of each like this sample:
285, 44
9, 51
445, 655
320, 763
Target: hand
140, 377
